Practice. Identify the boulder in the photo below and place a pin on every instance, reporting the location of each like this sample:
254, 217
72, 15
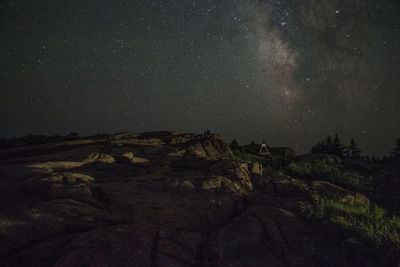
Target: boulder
80, 192
256, 168
330, 190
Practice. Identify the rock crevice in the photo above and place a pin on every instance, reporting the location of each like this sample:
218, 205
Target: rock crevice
152, 199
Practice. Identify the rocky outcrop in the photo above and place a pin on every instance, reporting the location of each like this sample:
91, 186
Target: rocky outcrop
151, 199
256, 168
330, 190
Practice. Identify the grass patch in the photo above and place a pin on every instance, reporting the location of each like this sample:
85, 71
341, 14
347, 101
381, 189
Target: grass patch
375, 233
334, 173
273, 162
242, 155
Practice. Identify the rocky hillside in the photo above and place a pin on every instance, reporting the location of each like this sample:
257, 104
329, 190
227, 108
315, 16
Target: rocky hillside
152, 199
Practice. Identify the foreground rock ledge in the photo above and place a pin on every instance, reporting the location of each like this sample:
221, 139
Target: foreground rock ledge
151, 199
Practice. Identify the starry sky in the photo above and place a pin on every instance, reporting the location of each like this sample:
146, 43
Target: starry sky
288, 72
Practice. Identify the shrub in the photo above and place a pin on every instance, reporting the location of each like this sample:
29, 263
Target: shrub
241, 154
372, 230
334, 173
377, 213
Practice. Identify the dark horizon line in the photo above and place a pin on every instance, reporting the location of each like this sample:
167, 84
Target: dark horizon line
77, 135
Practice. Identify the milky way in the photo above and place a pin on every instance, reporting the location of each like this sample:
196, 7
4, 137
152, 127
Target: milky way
289, 72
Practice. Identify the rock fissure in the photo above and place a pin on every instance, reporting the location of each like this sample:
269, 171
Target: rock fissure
282, 234
154, 250
275, 248
155, 199
41, 241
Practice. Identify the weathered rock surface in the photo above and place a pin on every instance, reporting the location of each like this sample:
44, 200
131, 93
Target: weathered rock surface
330, 190
152, 199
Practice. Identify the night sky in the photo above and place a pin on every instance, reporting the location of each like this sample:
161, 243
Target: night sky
289, 72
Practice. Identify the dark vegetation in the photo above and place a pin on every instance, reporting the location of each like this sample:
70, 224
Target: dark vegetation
334, 173
34, 140
334, 146
368, 231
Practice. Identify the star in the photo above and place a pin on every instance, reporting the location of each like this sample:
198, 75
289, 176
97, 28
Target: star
265, 63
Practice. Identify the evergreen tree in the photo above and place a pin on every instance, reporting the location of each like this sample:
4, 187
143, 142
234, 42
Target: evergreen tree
329, 146
353, 149
318, 148
207, 132
336, 141
396, 151
338, 147
328, 141
234, 144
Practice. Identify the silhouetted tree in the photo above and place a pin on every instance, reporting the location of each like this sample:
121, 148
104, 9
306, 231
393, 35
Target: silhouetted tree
338, 148
353, 150
396, 150
318, 148
336, 141
329, 141
234, 144
207, 132
329, 146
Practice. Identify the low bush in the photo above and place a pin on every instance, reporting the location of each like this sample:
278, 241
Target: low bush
334, 173
374, 232
241, 154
